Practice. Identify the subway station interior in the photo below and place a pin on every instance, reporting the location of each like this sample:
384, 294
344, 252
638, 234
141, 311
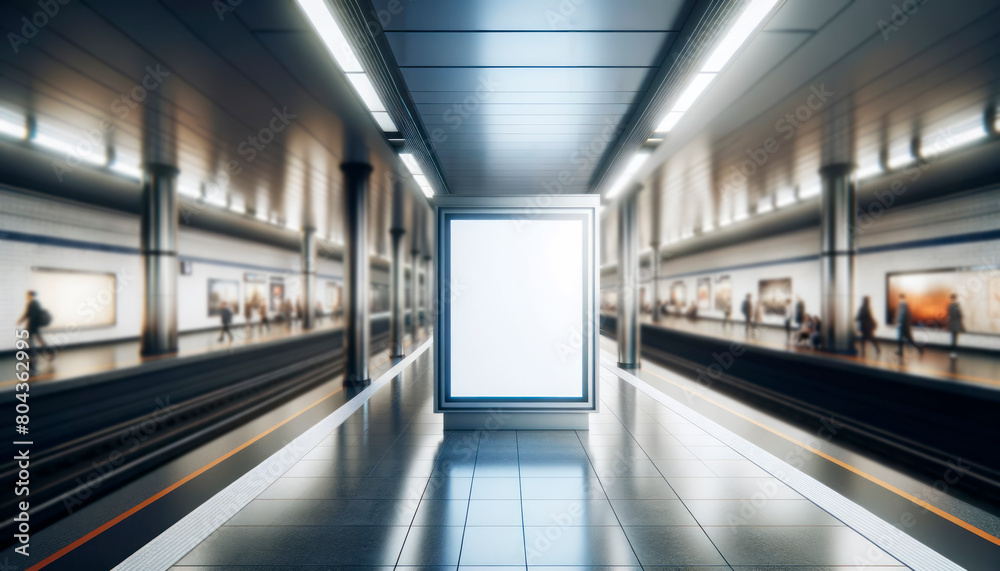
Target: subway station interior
500, 284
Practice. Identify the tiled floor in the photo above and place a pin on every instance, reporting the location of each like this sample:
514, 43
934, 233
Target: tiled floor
643, 488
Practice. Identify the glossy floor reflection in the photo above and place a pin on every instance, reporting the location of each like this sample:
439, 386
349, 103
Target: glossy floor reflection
643, 488
980, 367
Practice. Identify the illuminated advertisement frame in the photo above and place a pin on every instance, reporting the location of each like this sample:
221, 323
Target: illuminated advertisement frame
582, 208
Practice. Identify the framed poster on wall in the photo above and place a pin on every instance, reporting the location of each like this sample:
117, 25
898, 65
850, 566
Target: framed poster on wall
74, 298
223, 291
928, 294
774, 294
704, 294
520, 334
723, 294
678, 294
277, 293
334, 298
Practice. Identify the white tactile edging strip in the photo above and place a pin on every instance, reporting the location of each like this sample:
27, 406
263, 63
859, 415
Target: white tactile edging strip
884, 535
174, 543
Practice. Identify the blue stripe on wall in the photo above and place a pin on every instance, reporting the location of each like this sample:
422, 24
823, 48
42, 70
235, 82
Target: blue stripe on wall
98, 247
66, 243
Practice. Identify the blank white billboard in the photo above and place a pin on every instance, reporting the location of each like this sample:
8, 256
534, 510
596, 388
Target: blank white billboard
517, 308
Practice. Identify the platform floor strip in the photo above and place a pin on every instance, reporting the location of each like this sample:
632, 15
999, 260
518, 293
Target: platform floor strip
170, 546
895, 542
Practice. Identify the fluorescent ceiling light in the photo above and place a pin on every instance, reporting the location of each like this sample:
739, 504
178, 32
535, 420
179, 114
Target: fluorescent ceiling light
322, 20
418, 174
694, 89
738, 34
765, 207
669, 121
385, 122
366, 90
411, 163
630, 169
723, 222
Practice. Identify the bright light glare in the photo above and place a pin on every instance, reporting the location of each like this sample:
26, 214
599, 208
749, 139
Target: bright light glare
869, 171
738, 34
12, 124
428, 191
63, 147
322, 20
669, 121
129, 171
366, 90
784, 197
690, 95
965, 137
627, 174
811, 190
899, 161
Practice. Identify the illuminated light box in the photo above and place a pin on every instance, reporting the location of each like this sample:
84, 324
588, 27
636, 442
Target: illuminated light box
517, 309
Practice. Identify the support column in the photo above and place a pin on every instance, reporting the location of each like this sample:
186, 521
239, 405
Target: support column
158, 243
309, 277
397, 292
415, 275
838, 248
356, 326
656, 229
628, 281
428, 227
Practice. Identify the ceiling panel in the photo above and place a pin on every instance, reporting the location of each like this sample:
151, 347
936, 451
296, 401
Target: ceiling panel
525, 79
805, 14
526, 49
571, 97
514, 91
464, 15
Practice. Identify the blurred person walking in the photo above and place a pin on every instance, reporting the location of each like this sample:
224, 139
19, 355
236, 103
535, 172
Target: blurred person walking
955, 325
747, 309
248, 314
226, 315
904, 319
867, 326
264, 322
36, 317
